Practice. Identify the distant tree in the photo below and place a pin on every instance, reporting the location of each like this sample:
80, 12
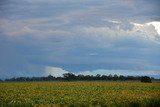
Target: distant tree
59, 78
80, 77
88, 77
50, 78
146, 79
130, 77
69, 76
115, 77
21, 79
73, 77
98, 77
110, 77
121, 77
103, 77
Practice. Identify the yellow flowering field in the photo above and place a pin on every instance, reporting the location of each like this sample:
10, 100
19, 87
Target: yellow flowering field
79, 94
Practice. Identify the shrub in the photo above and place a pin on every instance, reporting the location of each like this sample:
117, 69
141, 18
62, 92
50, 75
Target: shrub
146, 79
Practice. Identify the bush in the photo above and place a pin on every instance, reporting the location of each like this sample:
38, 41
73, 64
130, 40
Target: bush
146, 79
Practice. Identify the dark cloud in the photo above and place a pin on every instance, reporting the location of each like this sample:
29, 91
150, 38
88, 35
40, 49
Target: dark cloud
78, 36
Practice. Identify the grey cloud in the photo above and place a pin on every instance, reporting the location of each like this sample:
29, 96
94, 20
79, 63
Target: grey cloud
77, 36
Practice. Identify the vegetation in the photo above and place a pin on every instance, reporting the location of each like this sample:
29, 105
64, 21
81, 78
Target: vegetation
79, 94
73, 77
145, 79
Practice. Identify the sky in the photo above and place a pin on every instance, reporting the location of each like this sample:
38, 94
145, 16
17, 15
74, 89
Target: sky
43, 37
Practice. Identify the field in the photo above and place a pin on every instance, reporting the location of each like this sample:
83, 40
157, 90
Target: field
79, 94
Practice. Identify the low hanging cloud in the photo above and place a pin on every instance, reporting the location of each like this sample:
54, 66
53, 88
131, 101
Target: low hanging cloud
54, 71
58, 72
120, 72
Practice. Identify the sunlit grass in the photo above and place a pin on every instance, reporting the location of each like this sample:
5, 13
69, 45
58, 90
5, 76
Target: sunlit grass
57, 94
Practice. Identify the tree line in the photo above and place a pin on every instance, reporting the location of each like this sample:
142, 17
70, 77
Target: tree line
73, 77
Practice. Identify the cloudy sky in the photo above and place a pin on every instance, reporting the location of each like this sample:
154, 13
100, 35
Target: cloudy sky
42, 37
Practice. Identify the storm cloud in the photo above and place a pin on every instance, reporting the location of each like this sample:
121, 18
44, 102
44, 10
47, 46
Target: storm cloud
43, 37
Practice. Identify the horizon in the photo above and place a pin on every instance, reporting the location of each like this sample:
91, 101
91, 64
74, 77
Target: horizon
84, 74
52, 37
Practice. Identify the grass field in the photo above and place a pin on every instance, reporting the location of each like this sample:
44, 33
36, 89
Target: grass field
80, 94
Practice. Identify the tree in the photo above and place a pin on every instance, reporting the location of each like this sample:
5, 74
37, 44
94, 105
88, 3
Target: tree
80, 77
88, 77
121, 77
98, 77
146, 79
50, 78
115, 77
69, 76
104, 77
110, 77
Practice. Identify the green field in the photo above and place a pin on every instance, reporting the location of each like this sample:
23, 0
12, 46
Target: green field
79, 94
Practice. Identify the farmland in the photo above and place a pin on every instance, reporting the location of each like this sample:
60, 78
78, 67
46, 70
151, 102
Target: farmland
86, 94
